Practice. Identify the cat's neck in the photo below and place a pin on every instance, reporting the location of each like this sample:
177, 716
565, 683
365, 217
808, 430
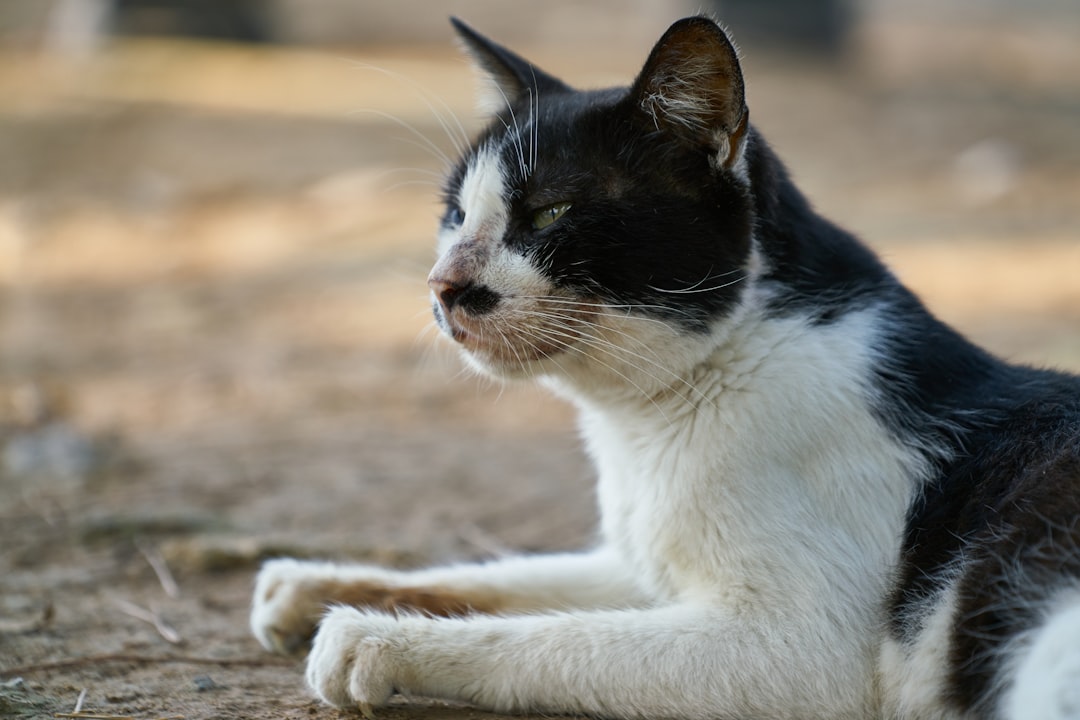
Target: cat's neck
668, 375
813, 265
781, 398
752, 356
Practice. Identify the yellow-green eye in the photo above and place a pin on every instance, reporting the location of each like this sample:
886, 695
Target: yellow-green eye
545, 217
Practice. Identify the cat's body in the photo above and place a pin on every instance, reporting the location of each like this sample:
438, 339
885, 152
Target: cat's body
817, 501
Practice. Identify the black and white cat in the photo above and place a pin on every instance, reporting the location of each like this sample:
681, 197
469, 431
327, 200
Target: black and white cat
817, 500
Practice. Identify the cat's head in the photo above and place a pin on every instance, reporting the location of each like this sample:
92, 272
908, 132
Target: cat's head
600, 235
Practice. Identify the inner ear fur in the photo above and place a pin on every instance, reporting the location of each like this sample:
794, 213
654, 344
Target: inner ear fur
692, 86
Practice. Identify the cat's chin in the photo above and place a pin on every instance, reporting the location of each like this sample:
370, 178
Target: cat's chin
507, 352
502, 358
506, 365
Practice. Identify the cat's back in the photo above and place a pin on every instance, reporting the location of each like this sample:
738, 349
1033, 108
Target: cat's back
1015, 446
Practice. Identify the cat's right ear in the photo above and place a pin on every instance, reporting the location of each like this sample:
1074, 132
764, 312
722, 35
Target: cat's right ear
692, 86
509, 76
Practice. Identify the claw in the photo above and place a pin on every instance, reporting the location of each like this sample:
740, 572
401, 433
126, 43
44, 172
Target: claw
366, 710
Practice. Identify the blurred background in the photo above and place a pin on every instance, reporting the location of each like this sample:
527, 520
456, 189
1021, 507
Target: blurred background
216, 218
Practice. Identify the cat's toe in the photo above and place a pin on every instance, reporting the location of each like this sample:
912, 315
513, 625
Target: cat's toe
353, 659
285, 607
283, 641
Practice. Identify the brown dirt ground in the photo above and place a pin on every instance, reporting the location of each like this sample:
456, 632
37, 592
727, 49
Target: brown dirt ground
214, 343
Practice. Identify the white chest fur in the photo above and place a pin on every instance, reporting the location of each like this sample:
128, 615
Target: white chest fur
773, 483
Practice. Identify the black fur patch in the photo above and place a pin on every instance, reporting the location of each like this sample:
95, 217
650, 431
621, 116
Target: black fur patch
1001, 515
1025, 547
816, 269
652, 226
477, 299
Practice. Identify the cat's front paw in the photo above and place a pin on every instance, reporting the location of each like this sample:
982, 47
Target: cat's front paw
287, 605
355, 659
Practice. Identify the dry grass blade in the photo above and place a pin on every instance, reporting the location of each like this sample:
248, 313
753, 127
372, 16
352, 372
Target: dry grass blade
160, 568
163, 628
100, 716
144, 659
79, 702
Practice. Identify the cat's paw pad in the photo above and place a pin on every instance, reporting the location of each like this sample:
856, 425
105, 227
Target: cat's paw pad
286, 606
354, 659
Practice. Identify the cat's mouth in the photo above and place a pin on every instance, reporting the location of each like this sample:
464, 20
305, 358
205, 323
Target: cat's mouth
503, 345
512, 340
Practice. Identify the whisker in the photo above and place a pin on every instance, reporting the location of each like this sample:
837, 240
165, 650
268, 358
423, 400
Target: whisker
564, 321
627, 307
619, 352
564, 346
515, 134
709, 276
555, 316
614, 349
425, 142
555, 339
420, 171
560, 323
696, 289
459, 141
534, 101
411, 183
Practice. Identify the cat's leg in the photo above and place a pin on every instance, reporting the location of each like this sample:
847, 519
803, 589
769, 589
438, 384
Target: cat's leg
291, 595
1046, 684
681, 661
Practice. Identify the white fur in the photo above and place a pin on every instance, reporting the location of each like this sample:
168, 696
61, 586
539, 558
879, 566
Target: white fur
482, 196
913, 677
1047, 679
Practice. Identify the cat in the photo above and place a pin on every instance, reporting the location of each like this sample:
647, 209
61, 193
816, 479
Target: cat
817, 500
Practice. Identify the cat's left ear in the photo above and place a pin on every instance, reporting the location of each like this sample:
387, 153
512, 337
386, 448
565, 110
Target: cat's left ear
512, 77
692, 86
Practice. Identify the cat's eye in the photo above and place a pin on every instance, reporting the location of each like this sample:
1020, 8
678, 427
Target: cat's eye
455, 217
545, 217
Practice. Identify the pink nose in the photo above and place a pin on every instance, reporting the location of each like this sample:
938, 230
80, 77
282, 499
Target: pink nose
448, 292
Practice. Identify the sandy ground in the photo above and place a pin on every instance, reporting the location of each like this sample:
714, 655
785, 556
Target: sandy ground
215, 347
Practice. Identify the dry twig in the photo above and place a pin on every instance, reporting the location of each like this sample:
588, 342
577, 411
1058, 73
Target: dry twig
99, 716
164, 629
269, 661
160, 568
